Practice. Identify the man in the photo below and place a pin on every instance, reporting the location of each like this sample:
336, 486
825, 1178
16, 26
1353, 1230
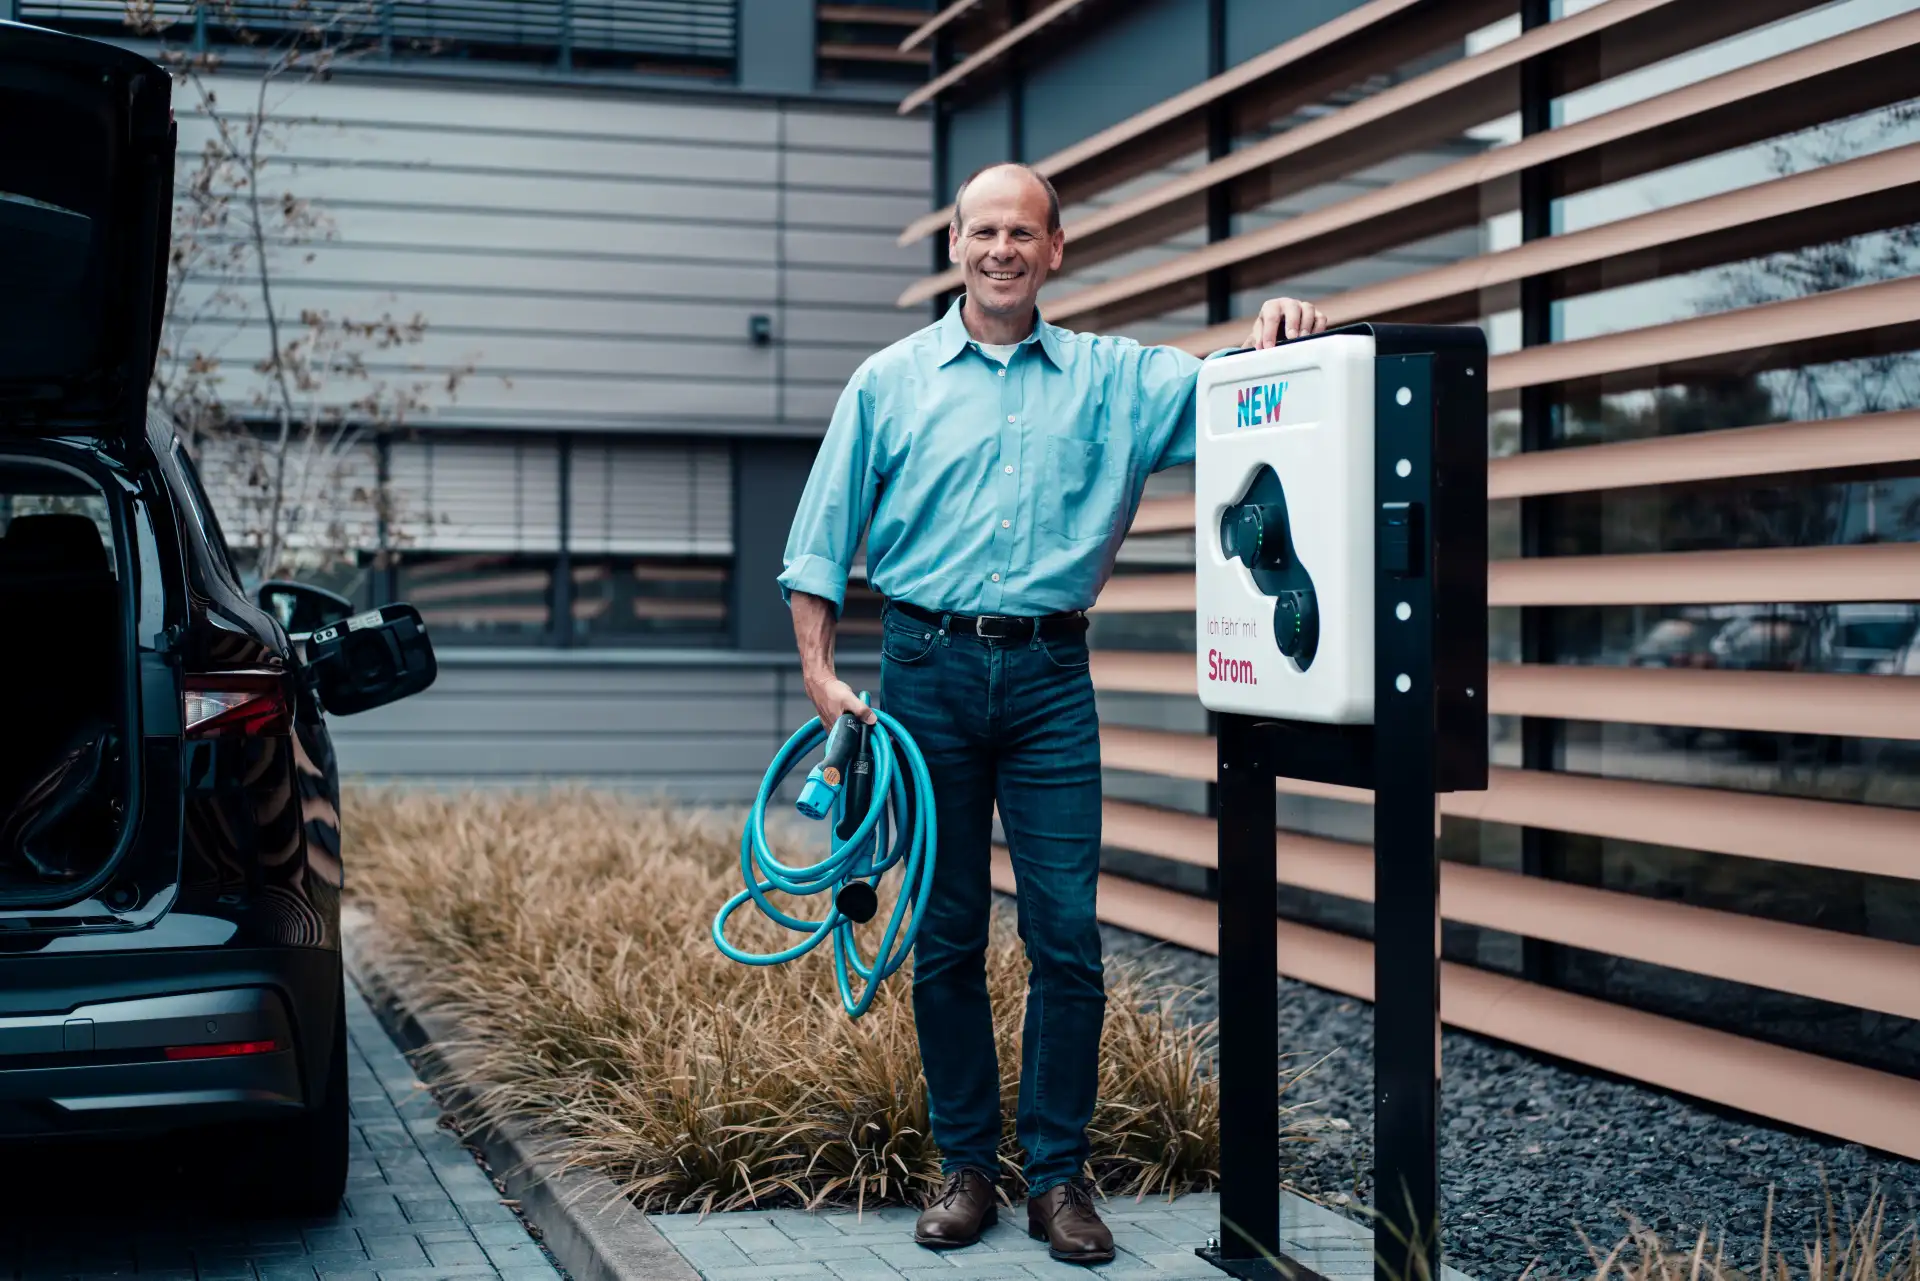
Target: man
995, 463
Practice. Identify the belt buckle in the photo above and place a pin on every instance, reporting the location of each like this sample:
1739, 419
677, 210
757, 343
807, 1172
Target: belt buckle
979, 625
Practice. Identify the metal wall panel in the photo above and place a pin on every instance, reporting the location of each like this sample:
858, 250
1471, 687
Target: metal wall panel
593, 259
686, 726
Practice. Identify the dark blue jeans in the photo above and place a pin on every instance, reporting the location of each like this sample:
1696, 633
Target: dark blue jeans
1008, 723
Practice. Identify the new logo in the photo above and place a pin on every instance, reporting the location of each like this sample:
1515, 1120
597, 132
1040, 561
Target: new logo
1260, 405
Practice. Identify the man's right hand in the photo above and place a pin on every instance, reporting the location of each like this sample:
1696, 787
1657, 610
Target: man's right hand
833, 697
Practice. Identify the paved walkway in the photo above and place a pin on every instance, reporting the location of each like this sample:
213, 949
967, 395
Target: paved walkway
417, 1206
1154, 1240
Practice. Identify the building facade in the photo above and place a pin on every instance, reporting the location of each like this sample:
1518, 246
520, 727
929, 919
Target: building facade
650, 241
1689, 234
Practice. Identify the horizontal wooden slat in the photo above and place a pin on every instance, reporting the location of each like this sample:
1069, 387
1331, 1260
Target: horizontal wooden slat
1866, 572
880, 14
1831, 444
1830, 203
989, 54
1824, 965
1191, 756
1873, 840
872, 53
1869, 572
1776, 449
1417, 113
1163, 515
1304, 70
1832, 78
1862, 320
1762, 702
946, 17
1146, 594
1857, 1104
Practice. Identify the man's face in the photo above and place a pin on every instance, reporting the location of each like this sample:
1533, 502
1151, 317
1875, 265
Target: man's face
1002, 246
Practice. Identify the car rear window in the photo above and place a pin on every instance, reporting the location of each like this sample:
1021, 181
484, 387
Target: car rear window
33, 498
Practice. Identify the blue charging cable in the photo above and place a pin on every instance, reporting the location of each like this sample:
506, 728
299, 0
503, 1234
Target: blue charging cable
874, 783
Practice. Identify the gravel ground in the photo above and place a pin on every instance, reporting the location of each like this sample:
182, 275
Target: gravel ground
1532, 1153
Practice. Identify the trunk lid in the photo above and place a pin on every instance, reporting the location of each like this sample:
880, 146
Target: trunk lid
86, 186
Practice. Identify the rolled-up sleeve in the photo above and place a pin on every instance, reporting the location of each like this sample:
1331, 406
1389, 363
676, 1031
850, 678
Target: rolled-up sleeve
1165, 405
837, 501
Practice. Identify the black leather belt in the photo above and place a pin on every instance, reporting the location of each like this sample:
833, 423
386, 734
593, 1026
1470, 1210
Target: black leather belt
998, 626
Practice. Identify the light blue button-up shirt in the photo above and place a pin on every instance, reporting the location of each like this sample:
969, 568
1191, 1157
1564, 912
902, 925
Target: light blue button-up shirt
990, 489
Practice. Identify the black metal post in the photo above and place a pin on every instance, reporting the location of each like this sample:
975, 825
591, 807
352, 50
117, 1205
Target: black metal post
1249, 996
562, 604
1406, 913
1219, 144
386, 571
1539, 738
1016, 87
944, 180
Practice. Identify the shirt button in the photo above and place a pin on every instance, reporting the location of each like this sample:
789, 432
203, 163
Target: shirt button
1011, 418
1009, 469
996, 578
1006, 524
1003, 373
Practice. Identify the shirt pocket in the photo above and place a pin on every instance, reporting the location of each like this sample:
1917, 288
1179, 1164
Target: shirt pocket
1080, 495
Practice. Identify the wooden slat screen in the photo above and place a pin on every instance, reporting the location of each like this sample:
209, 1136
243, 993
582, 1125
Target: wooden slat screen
1837, 198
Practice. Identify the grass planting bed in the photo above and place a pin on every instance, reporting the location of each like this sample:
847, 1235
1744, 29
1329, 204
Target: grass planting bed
567, 934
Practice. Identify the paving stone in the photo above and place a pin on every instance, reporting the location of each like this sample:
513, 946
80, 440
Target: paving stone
453, 1254
497, 1233
387, 1248
868, 1269
427, 1209
776, 1272
285, 1272
519, 1254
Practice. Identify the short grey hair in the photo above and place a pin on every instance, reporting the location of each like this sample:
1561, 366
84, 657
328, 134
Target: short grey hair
1046, 185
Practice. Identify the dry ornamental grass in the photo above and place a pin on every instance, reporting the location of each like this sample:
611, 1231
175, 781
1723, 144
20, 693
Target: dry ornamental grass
570, 935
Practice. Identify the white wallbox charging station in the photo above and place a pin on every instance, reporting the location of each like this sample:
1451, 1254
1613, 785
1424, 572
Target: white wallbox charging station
1284, 524
1340, 521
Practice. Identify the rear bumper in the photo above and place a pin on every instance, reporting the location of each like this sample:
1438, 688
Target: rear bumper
83, 1046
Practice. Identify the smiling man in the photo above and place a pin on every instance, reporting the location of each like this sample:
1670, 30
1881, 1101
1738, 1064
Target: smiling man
994, 463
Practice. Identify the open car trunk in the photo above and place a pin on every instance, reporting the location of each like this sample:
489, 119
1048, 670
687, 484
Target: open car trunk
65, 781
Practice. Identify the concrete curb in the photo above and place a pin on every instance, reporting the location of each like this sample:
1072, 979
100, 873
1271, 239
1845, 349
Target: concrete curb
593, 1230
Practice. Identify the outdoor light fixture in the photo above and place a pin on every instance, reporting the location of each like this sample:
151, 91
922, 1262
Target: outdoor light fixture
760, 330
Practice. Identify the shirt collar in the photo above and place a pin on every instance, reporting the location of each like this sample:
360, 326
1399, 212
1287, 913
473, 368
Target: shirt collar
954, 337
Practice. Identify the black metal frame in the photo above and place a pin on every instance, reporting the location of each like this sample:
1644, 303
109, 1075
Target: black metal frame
1428, 736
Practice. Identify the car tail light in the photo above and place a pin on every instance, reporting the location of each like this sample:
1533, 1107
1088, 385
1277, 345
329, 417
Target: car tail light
220, 1050
223, 705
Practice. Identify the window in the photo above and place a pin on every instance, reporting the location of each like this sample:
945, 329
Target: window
642, 598
480, 596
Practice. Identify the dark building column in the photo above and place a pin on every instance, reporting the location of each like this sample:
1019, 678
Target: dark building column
777, 45
768, 478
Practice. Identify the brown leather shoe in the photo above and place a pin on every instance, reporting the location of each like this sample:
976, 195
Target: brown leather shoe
1064, 1218
965, 1205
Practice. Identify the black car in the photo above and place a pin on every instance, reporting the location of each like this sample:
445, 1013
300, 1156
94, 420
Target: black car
170, 868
